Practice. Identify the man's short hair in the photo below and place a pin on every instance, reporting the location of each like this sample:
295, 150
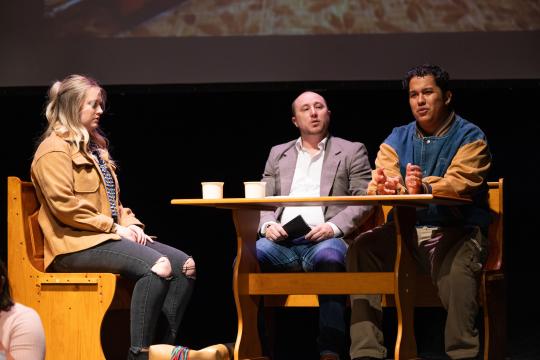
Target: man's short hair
442, 79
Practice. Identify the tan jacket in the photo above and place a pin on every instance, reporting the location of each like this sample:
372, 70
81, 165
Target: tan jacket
74, 213
465, 175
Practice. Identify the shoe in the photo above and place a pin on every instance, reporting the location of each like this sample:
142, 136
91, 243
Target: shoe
329, 357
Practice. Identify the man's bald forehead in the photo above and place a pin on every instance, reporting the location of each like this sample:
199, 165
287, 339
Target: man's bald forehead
305, 95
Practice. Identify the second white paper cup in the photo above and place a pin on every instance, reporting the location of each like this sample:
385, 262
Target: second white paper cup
254, 189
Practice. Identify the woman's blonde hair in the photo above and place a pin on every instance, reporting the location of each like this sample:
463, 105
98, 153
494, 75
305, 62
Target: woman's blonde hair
63, 114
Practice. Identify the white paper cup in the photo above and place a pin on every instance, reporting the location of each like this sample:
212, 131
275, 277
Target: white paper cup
212, 190
254, 189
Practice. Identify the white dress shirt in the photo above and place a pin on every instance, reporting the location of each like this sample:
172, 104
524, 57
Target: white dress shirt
307, 183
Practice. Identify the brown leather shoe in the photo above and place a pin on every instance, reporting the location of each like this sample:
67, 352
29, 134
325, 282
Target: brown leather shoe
329, 357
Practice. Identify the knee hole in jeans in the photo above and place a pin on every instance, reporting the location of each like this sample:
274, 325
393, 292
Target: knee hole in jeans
189, 268
162, 267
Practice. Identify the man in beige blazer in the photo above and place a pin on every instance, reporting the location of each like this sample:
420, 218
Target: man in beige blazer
315, 164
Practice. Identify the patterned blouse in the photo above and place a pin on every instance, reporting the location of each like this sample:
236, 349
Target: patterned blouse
109, 184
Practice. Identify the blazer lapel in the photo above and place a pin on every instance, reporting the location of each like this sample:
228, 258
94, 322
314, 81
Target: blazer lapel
287, 165
330, 166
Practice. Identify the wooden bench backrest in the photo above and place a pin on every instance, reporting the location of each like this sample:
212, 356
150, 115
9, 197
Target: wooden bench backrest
28, 206
495, 234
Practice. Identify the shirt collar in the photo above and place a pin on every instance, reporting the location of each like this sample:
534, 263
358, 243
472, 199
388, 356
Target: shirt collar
321, 145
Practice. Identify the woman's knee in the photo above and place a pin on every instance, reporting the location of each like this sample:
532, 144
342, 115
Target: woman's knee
189, 268
162, 267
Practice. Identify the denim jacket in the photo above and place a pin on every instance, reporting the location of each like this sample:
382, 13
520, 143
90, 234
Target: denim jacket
454, 163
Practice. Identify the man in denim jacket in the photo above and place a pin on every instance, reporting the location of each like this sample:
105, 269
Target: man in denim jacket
439, 153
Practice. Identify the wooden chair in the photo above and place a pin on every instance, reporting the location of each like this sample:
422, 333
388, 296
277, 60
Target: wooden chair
71, 305
492, 292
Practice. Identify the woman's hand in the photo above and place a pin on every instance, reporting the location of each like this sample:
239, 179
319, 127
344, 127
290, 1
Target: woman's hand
140, 236
126, 233
133, 233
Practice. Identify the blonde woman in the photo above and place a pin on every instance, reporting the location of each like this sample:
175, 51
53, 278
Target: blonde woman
86, 227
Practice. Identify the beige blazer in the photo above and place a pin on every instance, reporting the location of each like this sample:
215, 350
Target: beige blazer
74, 210
346, 171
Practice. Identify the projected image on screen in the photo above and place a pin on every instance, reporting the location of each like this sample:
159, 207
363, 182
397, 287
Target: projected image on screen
182, 18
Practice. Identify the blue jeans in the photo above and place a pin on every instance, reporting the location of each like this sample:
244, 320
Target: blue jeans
151, 293
324, 256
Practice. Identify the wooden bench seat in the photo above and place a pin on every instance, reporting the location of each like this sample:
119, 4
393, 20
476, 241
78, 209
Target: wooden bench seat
72, 306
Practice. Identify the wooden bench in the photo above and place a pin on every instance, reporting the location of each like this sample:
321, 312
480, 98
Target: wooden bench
492, 292
72, 306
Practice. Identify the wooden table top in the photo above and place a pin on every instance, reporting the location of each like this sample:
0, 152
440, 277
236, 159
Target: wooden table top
272, 202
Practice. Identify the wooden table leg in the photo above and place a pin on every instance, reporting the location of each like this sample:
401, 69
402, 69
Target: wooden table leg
405, 277
248, 344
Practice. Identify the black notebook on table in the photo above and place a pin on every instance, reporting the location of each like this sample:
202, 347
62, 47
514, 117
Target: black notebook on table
296, 228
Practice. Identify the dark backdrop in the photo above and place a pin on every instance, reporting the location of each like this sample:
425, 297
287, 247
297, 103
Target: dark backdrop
167, 139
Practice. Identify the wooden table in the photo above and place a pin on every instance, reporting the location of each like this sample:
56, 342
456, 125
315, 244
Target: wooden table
249, 284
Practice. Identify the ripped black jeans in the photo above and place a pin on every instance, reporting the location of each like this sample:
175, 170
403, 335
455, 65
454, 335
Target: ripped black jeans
151, 293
